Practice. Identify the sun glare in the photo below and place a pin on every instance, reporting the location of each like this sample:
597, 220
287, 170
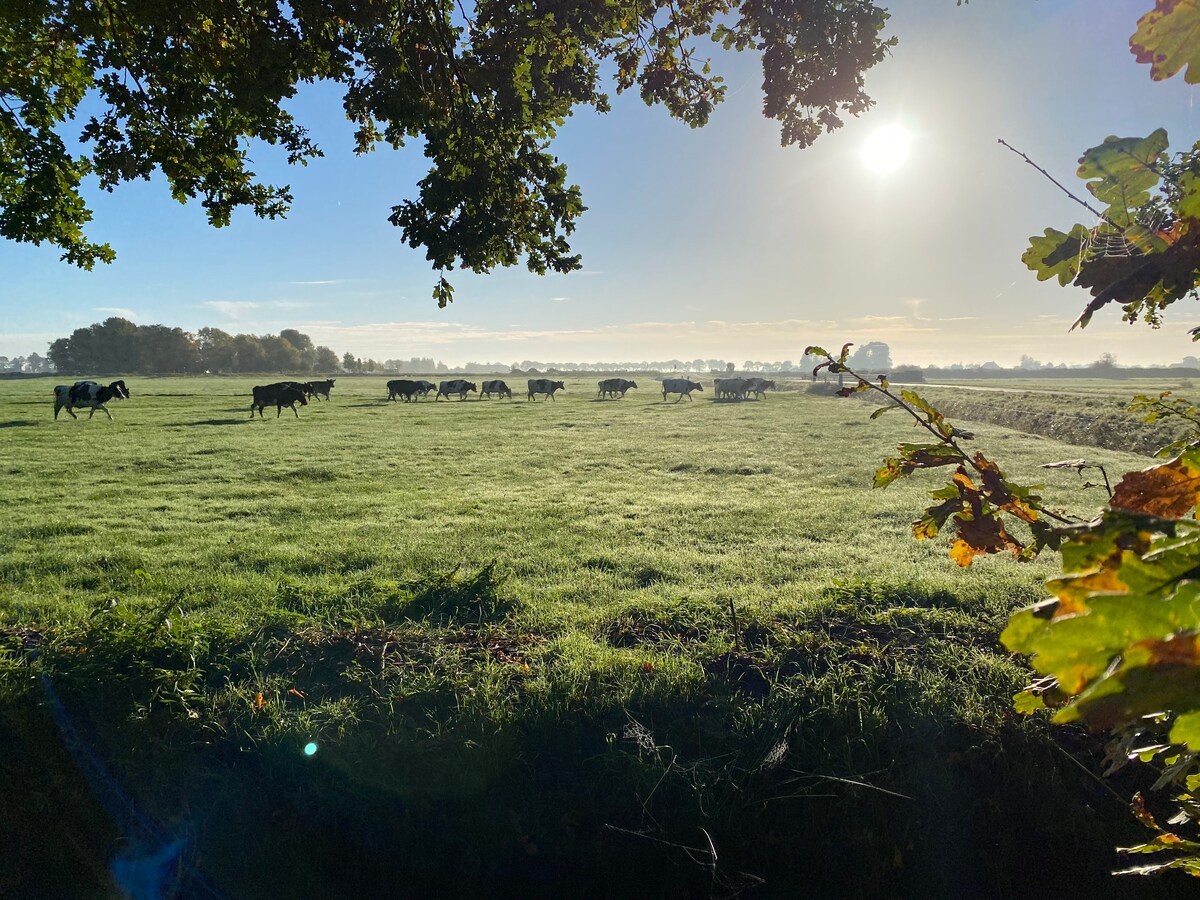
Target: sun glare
887, 149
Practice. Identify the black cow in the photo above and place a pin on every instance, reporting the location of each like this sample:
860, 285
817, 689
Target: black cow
320, 387
544, 386
425, 387
610, 387
402, 387
455, 386
90, 394
280, 394
495, 386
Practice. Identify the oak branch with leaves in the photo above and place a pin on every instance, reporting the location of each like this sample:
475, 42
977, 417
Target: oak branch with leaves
182, 89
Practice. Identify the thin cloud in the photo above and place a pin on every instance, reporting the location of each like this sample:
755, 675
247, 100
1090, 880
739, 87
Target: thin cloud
237, 309
332, 281
122, 311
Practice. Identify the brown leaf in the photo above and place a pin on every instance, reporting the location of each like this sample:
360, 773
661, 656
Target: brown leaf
980, 536
1167, 491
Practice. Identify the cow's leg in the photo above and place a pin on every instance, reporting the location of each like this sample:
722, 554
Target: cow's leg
92, 412
71, 412
294, 410
106, 412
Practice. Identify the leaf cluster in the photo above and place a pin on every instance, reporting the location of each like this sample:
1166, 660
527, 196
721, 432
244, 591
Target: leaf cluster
1144, 253
186, 90
979, 501
1118, 643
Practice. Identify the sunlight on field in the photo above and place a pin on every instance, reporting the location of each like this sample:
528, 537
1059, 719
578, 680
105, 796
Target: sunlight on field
589, 505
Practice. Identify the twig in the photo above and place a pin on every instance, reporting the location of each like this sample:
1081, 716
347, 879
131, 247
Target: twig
1101, 216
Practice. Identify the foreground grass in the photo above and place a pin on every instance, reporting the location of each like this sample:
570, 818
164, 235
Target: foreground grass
539, 647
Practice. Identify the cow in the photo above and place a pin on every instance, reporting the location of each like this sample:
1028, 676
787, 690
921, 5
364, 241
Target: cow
281, 394
610, 387
424, 387
681, 386
544, 386
731, 388
495, 387
319, 387
455, 386
402, 387
759, 386
90, 394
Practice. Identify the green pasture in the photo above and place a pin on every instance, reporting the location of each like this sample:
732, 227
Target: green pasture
540, 647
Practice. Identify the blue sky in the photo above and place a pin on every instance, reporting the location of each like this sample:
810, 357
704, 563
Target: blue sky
714, 242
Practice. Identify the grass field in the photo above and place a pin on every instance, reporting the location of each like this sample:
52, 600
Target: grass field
1088, 411
508, 628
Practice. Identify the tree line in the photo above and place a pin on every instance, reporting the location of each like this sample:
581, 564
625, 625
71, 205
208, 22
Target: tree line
118, 345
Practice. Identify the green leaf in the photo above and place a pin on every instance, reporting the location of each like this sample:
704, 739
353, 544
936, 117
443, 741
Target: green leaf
1168, 38
1121, 172
883, 409
1056, 255
1027, 702
1186, 730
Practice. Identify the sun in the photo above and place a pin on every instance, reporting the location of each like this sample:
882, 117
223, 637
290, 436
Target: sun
887, 149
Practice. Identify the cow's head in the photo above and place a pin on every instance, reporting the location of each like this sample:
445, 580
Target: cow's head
695, 386
119, 390
303, 399
559, 385
633, 384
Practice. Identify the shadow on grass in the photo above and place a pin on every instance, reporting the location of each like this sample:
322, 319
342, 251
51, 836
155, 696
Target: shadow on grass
213, 422
19, 423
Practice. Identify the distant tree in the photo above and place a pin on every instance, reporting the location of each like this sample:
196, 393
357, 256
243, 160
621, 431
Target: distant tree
1107, 362
163, 349
730, 368
1028, 362
874, 356
325, 360
280, 355
249, 354
217, 350
304, 346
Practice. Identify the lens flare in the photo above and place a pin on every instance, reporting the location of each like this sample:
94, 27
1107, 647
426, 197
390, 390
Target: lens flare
887, 149
310, 748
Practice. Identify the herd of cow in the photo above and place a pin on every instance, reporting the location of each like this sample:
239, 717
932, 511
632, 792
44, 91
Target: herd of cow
288, 393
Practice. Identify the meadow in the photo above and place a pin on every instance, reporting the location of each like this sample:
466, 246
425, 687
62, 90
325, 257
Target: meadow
1088, 411
510, 647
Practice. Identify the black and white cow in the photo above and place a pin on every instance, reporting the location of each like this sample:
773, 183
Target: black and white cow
319, 387
544, 386
610, 387
90, 394
681, 386
495, 386
425, 387
279, 395
402, 387
455, 386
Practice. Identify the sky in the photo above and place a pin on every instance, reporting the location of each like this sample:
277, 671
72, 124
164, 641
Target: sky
713, 242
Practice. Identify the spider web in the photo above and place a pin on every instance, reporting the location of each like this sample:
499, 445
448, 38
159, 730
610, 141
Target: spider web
1105, 241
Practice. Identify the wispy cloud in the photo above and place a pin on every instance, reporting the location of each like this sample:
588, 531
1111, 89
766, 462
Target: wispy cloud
239, 309
332, 281
122, 311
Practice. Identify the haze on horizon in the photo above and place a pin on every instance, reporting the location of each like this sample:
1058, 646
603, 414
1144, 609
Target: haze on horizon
707, 243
